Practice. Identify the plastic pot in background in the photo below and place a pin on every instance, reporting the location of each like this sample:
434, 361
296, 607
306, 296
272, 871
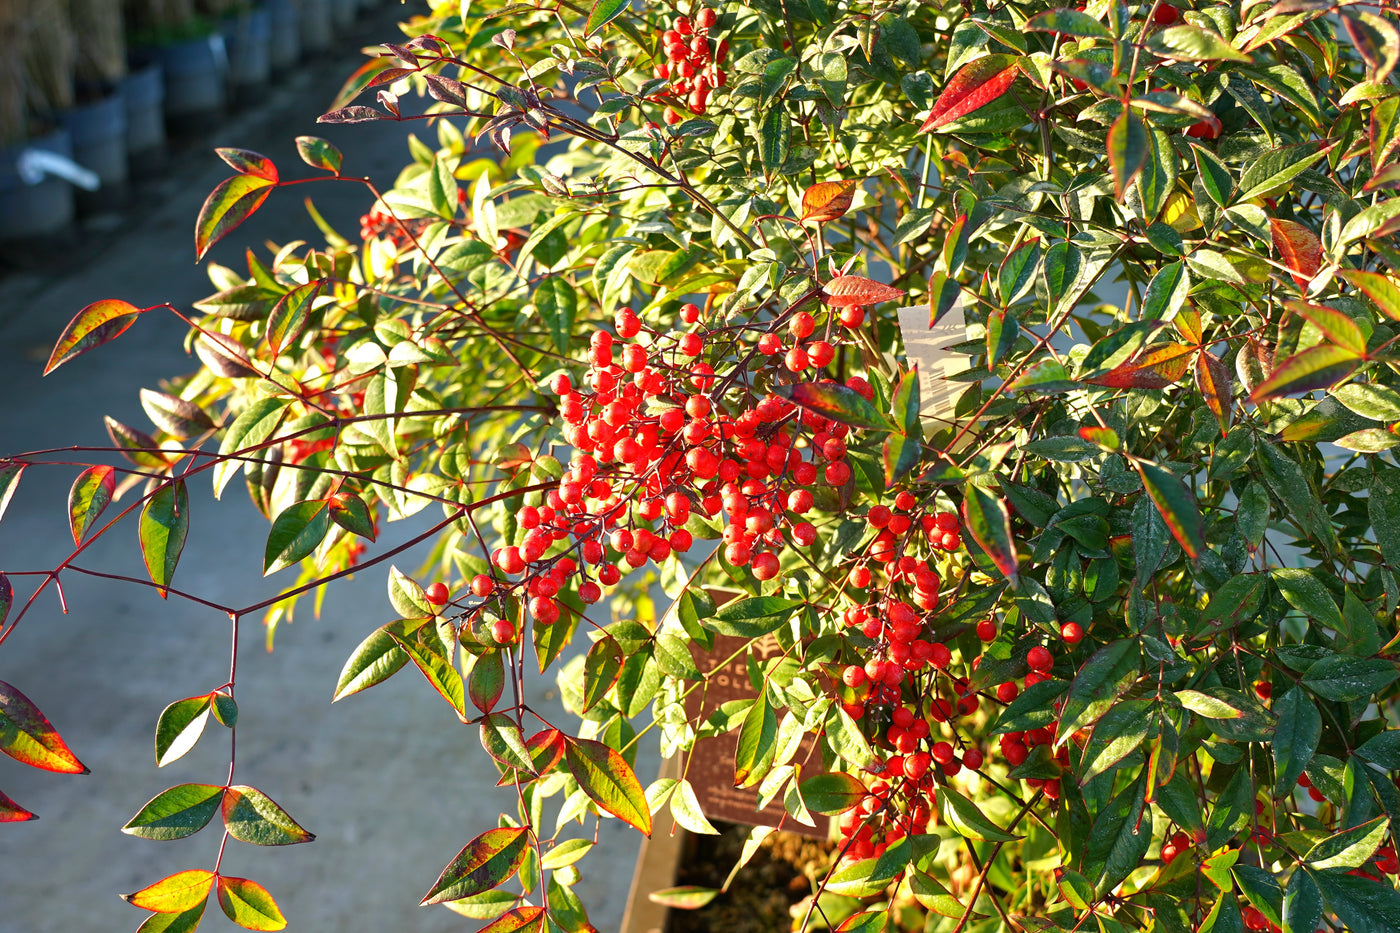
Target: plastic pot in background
98, 132
284, 48
143, 93
196, 78
33, 210
248, 38
343, 14
316, 30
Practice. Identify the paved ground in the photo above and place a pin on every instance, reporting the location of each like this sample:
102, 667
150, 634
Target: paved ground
388, 782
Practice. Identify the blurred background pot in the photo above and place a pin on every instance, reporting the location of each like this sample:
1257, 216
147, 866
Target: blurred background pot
248, 39
97, 121
284, 43
29, 209
316, 30
143, 95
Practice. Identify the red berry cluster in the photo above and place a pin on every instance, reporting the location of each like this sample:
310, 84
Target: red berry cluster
692, 63
379, 223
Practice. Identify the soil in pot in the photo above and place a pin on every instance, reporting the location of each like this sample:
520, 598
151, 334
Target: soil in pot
760, 899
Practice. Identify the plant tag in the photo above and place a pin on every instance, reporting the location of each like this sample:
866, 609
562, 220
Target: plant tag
926, 346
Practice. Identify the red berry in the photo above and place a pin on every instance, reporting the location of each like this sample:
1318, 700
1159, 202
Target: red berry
1165, 14
503, 632
706, 18
1072, 633
1040, 659
482, 585
1205, 129
436, 594
987, 630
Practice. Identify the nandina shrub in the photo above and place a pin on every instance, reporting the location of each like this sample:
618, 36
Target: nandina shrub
1103, 642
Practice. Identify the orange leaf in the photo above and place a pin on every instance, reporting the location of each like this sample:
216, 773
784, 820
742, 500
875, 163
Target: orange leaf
517, 920
247, 162
975, 85
1299, 248
174, 894
847, 290
248, 904
1213, 381
827, 201
1154, 369
93, 326
11, 812
28, 737
227, 206
1336, 327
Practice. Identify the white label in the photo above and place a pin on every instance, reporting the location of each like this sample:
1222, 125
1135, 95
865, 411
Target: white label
927, 348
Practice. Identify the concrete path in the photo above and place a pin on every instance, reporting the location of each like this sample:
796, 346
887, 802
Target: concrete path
389, 782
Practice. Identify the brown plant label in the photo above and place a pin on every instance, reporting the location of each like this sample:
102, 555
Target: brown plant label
926, 345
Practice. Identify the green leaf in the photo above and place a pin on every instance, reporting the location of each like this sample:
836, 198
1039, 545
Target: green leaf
98, 323
1295, 741
673, 655
179, 727
1166, 293
845, 738
484, 863
836, 402
175, 416
557, 303
600, 669
1068, 22
1177, 507
1016, 276
1098, 684
318, 153
607, 779
247, 162
486, 681
252, 816
296, 532
407, 597
1318, 367
683, 897
1119, 839
1337, 328
757, 742
1269, 175
1128, 147
91, 493
10, 471
1346, 679
186, 921
1215, 177
685, 807
1350, 848
503, 741
224, 708
832, 792
566, 853
1382, 290
228, 205
164, 525
350, 512
181, 811
750, 618
1305, 592
374, 661
967, 819
248, 904
1189, 43
602, 13
1362, 905
989, 523
1302, 903
1116, 735
438, 669
173, 894
773, 136
246, 435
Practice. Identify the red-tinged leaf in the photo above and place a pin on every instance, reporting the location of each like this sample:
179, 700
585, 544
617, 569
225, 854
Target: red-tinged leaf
845, 290
1337, 328
318, 153
248, 904
827, 200
297, 531
975, 85
246, 162
376, 659
7, 598
1317, 367
389, 76
1299, 248
831, 793
224, 356
350, 512
91, 493
28, 737
164, 525
943, 293
546, 748
1383, 291
253, 817
1129, 145
10, 471
288, 318
1107, 438
484, 863
137, 446
517, 920
683, 897
989, 523
486, 681
228, 205
1177, 506
174, 894
1387, 179
607, 779
865, 921
836, 402
179, 727
1213, 382
356, 114
1155, 368
175, 416
91, 327
11, 812
175, 813
186, 921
